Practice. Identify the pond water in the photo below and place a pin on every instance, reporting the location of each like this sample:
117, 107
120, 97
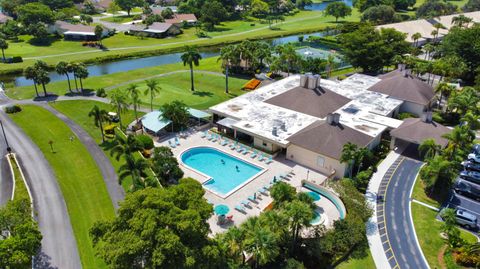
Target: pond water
321, 6
137, 63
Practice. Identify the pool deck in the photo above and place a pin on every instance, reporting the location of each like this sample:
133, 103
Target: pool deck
280, 165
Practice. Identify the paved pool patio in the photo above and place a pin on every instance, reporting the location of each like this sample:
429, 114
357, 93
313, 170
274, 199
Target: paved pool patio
279, 165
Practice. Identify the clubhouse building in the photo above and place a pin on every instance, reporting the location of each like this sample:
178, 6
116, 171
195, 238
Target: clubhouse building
308, 120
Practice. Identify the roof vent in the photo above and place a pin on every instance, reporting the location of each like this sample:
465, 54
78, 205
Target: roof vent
401, 67
275, 131
333, 119
283, 127
427, 117
312, 82
303, 81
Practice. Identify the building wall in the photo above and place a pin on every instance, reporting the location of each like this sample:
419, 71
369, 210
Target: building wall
414, 108
310, 159
265, 145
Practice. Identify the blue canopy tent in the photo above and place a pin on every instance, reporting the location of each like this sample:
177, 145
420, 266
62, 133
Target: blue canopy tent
154, 121
198, 114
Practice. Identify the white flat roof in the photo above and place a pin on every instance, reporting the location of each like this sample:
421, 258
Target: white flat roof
366, 112
79, 33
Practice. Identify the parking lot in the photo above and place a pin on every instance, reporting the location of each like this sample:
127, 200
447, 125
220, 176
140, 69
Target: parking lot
461, 202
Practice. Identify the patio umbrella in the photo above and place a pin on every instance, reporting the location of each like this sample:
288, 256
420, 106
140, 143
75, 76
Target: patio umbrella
221, 209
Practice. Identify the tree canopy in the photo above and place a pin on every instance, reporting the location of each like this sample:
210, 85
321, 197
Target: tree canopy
435, 8
33, 13
381, 14
159, 228
338, 10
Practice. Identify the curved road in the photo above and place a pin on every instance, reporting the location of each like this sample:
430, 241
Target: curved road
59, 247
394, 218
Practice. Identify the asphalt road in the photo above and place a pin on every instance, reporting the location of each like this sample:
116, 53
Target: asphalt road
6, 179
115, 190
59, 248
400, 232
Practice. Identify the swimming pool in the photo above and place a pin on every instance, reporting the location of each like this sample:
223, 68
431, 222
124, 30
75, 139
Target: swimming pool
316, 218
226, 172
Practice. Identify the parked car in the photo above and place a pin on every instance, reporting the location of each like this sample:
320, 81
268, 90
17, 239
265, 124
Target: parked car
471, 166
474, 157
464, 218
476, 149
471, 176
467, 189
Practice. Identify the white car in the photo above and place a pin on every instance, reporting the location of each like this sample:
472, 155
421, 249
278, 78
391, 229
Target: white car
474, 157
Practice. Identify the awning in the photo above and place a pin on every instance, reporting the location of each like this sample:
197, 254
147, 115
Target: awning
227, 122
199, 114
154, 121
79, 33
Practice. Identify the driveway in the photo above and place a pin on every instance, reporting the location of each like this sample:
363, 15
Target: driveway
394, 217
59, 247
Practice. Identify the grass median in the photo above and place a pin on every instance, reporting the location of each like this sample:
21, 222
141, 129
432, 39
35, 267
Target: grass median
77, 174
428, 231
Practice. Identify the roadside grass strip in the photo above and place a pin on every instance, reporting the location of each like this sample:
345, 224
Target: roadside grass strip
78, 176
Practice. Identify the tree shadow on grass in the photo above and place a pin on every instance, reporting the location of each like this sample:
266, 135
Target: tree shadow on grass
44, 42
203, 94
85, 92
50, 97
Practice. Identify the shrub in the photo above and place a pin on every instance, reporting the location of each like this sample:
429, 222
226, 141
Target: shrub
146, 141
137, 17
13, 109
17, 59
406, 115
362, 179
101, 92
341, 77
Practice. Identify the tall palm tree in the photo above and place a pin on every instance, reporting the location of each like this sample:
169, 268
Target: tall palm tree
472, 120
227, 56
429, 148
348, 156
124, 146
152, 90
30, 73
261, 243
63, 68
233, 241
330, 64
135, 168
3, 47
416, 37
119, 101
41, 70
442, 88
80, 71
461, 20
191, 57
300, 215
457, 138
134, 93
99, 116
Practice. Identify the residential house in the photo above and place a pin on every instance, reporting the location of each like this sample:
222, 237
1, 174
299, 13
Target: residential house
157, 29
77, 32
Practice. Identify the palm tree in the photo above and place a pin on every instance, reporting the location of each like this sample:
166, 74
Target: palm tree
134, 93
233, 241
119, 101
99, 115
457, 138
434, 33
428, 48
80, 71
135, 168
415, 38
191, 57
429, 148
63, 68
348, 156
30, 73
3, 47
460, 20
227, 56
260, 242
472, 120
360, 155
442, 88
330, 64
41, 70
152, 90
300, 215
124, 146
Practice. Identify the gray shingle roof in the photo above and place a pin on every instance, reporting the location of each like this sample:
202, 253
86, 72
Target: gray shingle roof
317, 103
417, 131
328, 140
404, 87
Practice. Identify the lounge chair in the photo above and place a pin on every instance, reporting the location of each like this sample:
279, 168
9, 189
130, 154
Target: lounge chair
254, 154
214, 138
245, 203
269, 161
204, 134
234, 145
224, 142
245, 150
261, 157
263, 190
240, 149
252, 198
177, 142
210, 137
240, 208
172, 145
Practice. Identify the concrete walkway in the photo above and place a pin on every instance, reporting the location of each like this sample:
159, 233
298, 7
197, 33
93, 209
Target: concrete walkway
373, 234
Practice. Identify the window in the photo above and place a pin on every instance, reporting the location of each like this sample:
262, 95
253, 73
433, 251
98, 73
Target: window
264, 144
320, 161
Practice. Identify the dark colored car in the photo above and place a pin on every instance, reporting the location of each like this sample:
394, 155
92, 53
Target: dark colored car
471, 176
467, 189
476, 149
471, 166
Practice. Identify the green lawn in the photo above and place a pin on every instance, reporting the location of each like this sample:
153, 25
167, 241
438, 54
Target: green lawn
20, 191
227, 32
428, 231
78, 112
420, 195
209, 90
79, 177
119, 19
364, 263
61, 87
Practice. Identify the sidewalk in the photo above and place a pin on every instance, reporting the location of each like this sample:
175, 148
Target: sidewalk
373, 235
